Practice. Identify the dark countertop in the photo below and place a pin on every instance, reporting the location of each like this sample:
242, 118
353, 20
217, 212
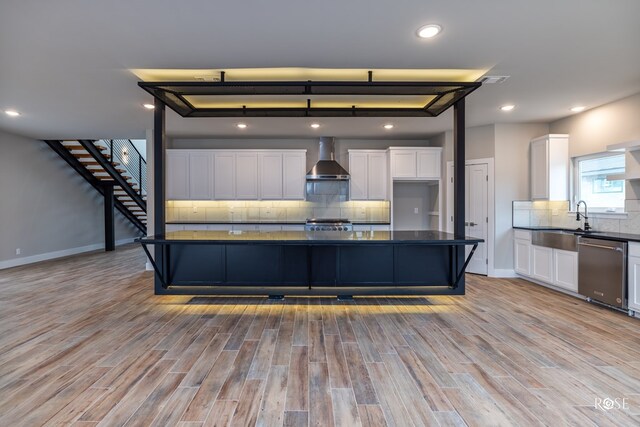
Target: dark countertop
268, 222
237, 222
604, 235
314, 237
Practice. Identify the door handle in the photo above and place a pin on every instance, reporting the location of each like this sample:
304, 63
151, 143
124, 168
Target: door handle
601, 247
470, 224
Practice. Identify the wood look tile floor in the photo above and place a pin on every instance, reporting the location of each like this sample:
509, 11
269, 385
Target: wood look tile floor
83, 341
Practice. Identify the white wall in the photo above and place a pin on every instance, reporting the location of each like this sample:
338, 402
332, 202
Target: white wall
310, 144
46, 208
591, 131
511, 182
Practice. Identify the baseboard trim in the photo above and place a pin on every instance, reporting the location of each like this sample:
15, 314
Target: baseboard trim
504, 273
16, 262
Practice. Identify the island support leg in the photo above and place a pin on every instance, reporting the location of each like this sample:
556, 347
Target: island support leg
459, 185
159, 149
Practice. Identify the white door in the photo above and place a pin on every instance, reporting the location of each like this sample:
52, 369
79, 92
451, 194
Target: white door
542, 263
522, 256
358, 176
428, 164
634, 281
177, 175
224, 181
199, 178
294, 169
565, 269
403, 164
270, 176
477, 214
246, 176
377, 176
539, 169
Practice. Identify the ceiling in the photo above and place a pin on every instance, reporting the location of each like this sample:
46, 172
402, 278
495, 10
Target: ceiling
66, 65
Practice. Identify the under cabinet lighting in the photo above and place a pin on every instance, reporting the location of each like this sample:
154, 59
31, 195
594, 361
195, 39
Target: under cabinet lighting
149, 106
241, 125
315, 125
578, 109
388, 126
429, 31
12, 113
508, 107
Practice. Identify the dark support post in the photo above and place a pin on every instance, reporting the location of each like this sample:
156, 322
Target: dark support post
458, 183
159, 146
109, 208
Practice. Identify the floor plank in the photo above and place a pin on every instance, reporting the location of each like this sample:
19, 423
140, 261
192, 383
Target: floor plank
87, 349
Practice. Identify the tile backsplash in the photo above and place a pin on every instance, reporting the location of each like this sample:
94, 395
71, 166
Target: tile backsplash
274, 211
556, 214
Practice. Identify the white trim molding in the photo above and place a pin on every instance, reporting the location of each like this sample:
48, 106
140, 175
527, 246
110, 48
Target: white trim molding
504, 273
16, 262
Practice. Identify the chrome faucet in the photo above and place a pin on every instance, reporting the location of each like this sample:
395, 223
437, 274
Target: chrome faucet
587, 227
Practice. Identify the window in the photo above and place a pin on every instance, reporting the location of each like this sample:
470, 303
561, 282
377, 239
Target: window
600, 182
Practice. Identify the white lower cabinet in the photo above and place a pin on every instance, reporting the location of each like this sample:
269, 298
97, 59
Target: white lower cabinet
552, 266
522, 257
565, 269
633, 268
293, 227
542, 263
370, 227
269, 227
219, 227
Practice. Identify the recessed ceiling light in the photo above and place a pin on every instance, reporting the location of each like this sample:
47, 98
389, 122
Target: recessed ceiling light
12, 113
429, 31
242, 125
315, 125
388, 126
149, 106
578, 109
507, 107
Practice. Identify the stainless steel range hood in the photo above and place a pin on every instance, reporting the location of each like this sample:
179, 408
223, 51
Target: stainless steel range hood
327, 181
327, 168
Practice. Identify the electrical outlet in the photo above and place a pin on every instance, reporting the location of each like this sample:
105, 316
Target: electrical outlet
416, 211
195, 209
554, 212
18, 251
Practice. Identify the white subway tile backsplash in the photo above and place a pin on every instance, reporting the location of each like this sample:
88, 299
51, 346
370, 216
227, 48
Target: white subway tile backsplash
275, 210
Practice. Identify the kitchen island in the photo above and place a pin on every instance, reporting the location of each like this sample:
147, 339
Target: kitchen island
281, 263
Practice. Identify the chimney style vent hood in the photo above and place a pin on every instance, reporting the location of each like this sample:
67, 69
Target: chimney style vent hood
327, 168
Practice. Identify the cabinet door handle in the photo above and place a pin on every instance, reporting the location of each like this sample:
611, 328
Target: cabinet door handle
472, 224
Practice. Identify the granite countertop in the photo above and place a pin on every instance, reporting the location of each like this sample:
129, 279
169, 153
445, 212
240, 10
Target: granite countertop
302, 237
604, 235
269, 222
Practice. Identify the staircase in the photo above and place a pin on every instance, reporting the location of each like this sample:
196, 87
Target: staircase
111, 162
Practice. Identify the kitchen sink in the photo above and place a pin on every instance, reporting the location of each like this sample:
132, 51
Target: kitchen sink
557, 239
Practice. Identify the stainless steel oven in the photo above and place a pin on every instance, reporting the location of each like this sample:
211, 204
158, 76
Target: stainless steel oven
602, 271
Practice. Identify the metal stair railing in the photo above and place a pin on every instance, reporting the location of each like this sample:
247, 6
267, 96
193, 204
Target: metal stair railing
79, 167
124, 152
108, 166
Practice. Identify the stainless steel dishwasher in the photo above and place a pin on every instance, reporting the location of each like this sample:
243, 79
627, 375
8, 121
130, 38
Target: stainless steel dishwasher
602, 271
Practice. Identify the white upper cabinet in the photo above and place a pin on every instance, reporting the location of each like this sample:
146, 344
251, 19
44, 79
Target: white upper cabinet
177, 176
224, 176
550, 167
358, 175
270, 175
246, 175
404, 164
368, 174
294, 169
422, 163
428, 164
199, 175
